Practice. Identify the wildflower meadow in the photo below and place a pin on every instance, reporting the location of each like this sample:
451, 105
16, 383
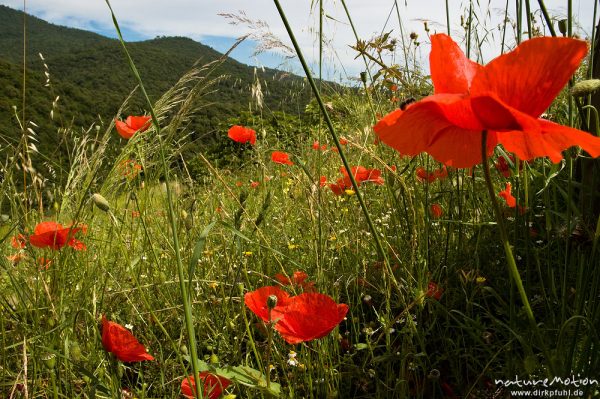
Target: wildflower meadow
427, 229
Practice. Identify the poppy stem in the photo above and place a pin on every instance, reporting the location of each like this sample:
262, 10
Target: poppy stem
510, 259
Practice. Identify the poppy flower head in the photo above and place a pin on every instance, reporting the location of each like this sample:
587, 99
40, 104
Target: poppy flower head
281, 158
132, 125
316, 146
121, 342
19, 241
214, 385
298, 278
424, 176
241, 134
434, 290
257, 302
54, 236
504, 97
343, 141
436, 210
511, 201
323, 181
338, 187
310, 316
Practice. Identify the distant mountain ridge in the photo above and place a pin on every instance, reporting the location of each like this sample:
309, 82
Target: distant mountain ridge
90, 74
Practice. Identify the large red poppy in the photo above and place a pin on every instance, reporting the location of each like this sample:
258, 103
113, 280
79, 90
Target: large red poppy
505, 97
55, 236
281, 158
310, 316
118, 340
213, 385
242, 134
257, 302
132, 125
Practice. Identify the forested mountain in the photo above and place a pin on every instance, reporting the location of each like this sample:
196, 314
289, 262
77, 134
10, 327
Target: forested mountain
92, 77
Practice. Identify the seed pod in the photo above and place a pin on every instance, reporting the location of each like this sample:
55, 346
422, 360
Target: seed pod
271, 301
585, 87
101, 202
562, 26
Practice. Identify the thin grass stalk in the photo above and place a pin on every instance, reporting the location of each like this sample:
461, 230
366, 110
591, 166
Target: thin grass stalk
504, 28
519, 12
336, 140
510, 259
547, 17
448, 17
172, 218
528, 20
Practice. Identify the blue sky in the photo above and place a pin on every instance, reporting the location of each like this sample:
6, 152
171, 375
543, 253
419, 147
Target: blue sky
200, 20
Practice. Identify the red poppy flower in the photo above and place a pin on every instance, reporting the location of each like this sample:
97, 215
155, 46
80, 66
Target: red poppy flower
257, 302
504, 97
441, 173
118, 340
16, 258
213, 385
132, 125
338, 187
434, 291
511, 201
19, 241
254, 184
323, 181
436, 210
424, 176
298, 278
316, 146
55, 236
129, 168
362, 175
343, 141
503, 167
310, 316
281, 158
44, 263
242, 134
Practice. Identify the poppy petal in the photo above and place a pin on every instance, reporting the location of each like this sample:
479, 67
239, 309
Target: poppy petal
442, 125
257, 302
124, 131
138, 123
119, 341
531, 76
310, 316
213, 385
451, 70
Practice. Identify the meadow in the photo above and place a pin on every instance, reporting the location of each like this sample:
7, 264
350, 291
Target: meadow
422, 234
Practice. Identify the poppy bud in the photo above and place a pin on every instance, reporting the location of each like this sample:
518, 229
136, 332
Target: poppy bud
585, 87
363, 77
75, 351
271, 301
49, 360
100, 202
562, 26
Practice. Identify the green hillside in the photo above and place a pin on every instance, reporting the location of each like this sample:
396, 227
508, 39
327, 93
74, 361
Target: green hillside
90, 74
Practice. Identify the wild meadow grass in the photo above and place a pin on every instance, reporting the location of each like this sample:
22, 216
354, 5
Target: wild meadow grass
415, 252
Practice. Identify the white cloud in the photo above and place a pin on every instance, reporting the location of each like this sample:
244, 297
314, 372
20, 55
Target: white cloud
200, 19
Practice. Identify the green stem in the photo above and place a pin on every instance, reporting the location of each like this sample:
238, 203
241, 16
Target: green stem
510, 259
173, 220
329, 123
